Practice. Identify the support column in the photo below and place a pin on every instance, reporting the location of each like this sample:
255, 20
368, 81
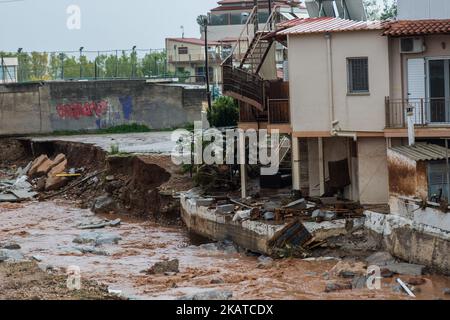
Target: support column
321, 167
243, 166
295, 164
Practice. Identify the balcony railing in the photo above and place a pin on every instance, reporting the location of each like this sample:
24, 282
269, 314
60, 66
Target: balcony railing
279, 112
424, 112
243, 86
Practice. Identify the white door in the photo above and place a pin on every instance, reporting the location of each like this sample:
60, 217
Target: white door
416, 88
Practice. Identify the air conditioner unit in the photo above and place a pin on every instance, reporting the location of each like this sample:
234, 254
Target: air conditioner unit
412, 45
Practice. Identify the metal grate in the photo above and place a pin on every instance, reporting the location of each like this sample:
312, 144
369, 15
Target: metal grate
358, 75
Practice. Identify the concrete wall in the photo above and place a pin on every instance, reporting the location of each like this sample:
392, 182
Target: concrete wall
309, 74
373, 171
90, 105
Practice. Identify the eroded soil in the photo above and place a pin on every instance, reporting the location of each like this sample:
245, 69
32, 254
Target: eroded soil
47, 230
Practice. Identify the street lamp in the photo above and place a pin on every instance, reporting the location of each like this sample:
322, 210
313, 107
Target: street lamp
81, 65
19, 71
133, 62
203, 22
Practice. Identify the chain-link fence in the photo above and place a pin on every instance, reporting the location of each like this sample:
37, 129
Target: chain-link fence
87, 65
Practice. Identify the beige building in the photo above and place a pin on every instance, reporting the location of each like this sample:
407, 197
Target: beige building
352, 88
186, 58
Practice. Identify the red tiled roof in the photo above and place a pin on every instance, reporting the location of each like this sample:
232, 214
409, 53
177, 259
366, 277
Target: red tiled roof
327, 24
417, 27
195, 41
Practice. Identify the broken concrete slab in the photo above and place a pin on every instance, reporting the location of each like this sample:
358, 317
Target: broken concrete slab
406, 268
209, 295
104, 204
36, 164
381, 258
298, 204
224, 209
11, 256
23, 194
332, 286
8, 197
97, 238
204, 202
326, 215
92, 250
165, 266
349, 269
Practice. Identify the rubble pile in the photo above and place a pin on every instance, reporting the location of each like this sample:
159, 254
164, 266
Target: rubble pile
41, 175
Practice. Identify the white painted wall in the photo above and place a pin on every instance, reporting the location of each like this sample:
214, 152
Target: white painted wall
308, 74
423, 9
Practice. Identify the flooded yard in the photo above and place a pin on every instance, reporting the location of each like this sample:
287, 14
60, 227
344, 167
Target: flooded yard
45, 231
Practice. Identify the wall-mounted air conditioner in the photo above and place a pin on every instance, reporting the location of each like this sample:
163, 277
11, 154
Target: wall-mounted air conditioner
412, 45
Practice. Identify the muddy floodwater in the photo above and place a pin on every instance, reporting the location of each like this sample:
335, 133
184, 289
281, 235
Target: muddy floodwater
46, 230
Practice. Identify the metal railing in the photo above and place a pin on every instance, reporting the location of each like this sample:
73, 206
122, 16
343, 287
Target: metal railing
279, 112
84, 64
424, 111
244, 84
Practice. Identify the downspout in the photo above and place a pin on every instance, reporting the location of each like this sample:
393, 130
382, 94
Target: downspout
335, 130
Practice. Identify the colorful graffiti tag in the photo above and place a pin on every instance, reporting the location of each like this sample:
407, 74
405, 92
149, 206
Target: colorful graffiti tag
77, 110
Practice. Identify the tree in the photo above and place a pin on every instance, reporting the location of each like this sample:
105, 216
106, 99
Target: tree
375, 12
389, 10
224, 112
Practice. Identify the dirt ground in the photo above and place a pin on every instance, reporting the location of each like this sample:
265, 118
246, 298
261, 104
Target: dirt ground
47, 230
26, 281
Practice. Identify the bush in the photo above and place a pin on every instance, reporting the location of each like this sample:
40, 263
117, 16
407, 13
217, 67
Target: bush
224, 112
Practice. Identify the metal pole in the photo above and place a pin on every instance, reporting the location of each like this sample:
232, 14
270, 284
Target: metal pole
3, 70
62, 65
117, 64
208, 93
447, 169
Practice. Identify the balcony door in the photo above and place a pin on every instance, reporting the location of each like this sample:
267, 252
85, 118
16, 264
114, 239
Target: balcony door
438, 82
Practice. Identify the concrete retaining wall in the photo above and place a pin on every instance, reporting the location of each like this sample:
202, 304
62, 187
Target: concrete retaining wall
412, 240
89, 105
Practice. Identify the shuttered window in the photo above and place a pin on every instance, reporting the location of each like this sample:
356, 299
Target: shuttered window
358, 75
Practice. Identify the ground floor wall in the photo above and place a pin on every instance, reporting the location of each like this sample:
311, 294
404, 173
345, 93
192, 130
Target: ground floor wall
89, 105
367, 167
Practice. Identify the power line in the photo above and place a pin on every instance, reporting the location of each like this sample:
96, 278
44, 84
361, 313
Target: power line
10, 1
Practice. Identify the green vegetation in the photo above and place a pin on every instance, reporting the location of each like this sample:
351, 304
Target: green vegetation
37, 66
224, 112
114, 149
377, 12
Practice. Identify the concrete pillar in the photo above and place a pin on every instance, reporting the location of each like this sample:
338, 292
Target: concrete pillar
243, 166
295, 164
321, 166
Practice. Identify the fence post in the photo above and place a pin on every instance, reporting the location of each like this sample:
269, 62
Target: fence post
422, 112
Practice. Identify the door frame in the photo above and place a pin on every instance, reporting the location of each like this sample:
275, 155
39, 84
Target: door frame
447, 87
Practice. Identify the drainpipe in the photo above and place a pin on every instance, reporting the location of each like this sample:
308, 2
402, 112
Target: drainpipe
330, 80
335, 130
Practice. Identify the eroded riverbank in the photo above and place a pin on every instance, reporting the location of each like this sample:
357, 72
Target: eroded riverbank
47, 229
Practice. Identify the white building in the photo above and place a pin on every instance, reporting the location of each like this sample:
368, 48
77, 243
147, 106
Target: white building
8, 69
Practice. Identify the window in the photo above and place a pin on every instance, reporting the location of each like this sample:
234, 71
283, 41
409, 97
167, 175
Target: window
183, 50
358, 75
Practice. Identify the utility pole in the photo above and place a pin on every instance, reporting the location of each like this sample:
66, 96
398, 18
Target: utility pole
3, 69
19, 71
203, 22
81, 65
61, 56
133, 62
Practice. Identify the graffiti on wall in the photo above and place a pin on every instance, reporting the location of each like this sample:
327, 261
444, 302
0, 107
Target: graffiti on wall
77, 110
127, 106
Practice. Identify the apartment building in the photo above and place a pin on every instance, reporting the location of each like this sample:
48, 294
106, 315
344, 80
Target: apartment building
353, 88
186, 58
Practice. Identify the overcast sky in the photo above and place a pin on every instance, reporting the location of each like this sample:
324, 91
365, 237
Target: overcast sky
105, 24
41, 25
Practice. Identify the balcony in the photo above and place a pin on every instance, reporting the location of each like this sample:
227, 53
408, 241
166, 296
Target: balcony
434, 111
278, 110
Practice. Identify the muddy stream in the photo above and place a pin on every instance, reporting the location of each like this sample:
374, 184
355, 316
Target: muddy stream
46, 230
